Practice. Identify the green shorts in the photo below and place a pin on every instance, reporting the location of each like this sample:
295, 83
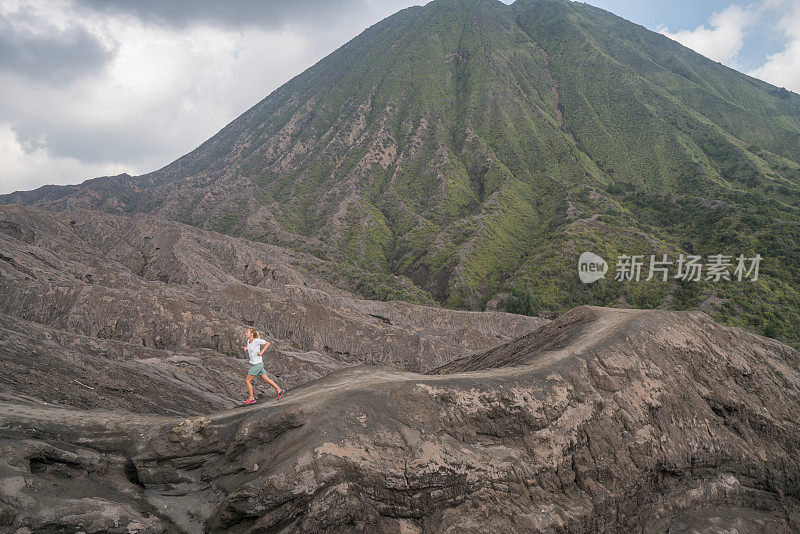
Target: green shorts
257, 370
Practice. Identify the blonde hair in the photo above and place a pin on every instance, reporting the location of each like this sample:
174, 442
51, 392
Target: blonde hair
254, 331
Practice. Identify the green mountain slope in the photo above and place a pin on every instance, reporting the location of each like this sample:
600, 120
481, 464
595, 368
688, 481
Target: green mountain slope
478, 148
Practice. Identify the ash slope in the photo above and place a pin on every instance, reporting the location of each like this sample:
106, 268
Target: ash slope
144, 314
604, 420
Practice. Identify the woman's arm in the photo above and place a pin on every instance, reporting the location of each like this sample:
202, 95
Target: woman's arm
266, 344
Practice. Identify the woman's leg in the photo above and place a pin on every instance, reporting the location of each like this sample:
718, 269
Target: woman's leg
269, 381
249, 381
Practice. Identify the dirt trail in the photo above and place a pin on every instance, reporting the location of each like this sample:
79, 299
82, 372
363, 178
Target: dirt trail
605, 324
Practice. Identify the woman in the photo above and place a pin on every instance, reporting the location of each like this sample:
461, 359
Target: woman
254, 343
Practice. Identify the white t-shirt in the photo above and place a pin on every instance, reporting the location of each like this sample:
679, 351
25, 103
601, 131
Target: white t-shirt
253, 347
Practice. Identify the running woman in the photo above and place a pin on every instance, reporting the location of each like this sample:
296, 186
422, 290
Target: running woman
254, 343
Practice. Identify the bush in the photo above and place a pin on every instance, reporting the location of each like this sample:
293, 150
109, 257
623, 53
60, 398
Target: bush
523, 303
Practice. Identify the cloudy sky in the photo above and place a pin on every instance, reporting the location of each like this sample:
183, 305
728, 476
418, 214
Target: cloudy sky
97, 87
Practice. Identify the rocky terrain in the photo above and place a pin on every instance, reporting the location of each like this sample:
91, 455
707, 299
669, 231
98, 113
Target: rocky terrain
121, 376
603, 420
148, 315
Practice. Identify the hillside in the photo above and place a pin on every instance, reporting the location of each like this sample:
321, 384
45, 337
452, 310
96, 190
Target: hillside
476, 149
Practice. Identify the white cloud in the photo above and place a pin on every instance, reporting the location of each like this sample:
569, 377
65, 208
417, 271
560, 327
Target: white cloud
163, 92
724, 35
27, 165
722, 38
783, 68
